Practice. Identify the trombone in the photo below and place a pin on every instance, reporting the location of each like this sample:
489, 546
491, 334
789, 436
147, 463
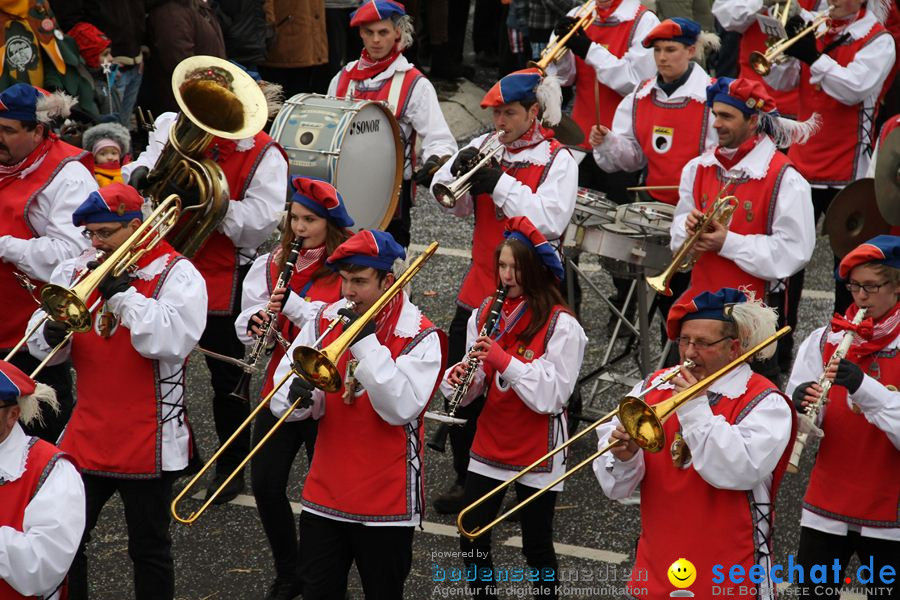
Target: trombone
644, 423
449, 194
762, 62
556, 48
69, 305
318, 367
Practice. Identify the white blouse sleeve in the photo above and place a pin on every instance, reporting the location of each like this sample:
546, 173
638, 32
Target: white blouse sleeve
254, 297
624, 74
617, 478
464, 207
736, 15
861, 78
425, 115
620, 151
477, 385
249, 221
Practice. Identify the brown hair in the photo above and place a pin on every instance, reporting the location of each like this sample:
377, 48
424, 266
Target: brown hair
538, 285
334, 237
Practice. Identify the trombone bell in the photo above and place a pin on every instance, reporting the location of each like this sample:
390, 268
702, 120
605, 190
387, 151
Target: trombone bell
318, 367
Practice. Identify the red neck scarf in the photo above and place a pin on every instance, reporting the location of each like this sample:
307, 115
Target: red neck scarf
872, 336
605, 13
837, 27
9, 173
722, 154
536, 134
367, 67
220, 149
386, 321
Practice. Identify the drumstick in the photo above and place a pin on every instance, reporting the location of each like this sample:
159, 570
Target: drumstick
597, 100
647, 188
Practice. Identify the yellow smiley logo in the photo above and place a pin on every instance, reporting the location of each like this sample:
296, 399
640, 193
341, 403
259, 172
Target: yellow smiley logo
682, 573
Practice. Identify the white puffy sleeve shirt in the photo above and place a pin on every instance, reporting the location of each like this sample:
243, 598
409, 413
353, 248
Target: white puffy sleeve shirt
880, 406
34, 561
769, 257
550, 207
50, 216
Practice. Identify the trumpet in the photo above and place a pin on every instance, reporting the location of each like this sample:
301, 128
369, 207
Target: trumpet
720, 210
556, 47
449, 194
438, 442
806, 422
762, 62
644, 423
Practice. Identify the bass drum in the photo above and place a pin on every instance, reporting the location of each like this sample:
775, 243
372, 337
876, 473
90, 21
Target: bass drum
353, 144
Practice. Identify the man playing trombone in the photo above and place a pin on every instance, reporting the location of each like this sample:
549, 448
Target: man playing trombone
536, 177
854, 489
364, 493
708, 496
129, 431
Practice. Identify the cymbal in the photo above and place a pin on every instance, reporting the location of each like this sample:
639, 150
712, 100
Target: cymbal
887, 178
853, 217
568, 132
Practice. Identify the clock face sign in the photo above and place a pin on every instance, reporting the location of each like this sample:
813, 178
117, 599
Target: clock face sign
662, 139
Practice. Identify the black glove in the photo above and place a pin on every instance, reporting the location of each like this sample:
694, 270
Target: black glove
300, 388
579, 43
55, 332
563, 25
424, 175
485, 180
799, 396
261, 315
111, 286
351, 316
849, 375
139, 178
189, 194
463, 158
804, 48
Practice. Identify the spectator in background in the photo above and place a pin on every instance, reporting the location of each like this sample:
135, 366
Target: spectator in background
246, 32
124, 23
541, 17
176, 29
301, 45
695, 10
109, 143
95, 50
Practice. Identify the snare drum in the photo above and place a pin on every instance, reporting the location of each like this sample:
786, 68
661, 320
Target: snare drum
650, 218
592, 208
353, 144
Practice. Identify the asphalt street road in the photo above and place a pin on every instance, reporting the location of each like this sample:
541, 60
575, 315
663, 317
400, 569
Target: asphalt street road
225, 555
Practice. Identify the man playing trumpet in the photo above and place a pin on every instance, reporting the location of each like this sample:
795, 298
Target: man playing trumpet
129, 431
536, 177
364, 493
727, 450
857, 514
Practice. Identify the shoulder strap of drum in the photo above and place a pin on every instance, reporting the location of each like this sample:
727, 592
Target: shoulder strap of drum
395, 90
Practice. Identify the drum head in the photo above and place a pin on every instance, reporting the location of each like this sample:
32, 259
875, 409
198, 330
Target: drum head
592, 206
354, 145
652, 218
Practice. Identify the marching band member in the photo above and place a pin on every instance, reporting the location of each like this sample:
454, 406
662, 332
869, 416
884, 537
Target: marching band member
536, 178
771, 234
889, 126
364, 492
41, 499
665, 122
607, 61
841, 515
528, 371
319, 219
135, 440
729, 449
42, 180
383, 73
257, 173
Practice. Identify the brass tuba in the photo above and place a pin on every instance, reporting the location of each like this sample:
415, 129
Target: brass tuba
217, 99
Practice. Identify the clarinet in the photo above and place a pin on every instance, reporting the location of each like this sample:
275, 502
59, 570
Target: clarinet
807, 421
439, 440
268, 332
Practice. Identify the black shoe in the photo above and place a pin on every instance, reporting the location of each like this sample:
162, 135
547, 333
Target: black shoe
230, 492
451, 501
284, 590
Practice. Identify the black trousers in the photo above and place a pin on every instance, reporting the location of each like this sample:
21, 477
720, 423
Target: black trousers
819, 548
402, 222
269, 473
59, 377
537, 533
383, 557
461, 437
149, 544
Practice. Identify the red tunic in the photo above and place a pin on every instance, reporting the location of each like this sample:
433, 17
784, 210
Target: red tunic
326, 289
16, 495
853, 445
15, 201
753, 215
670, 134
706, 525
617, 38
116, 427
217, 260
831, 155
510, 435
490, 223
366, 475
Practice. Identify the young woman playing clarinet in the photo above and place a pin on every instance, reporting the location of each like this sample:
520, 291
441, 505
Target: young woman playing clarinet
318, 224
527, 366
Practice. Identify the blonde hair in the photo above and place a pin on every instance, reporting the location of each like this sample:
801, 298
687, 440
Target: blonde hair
753, 322
404, 25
